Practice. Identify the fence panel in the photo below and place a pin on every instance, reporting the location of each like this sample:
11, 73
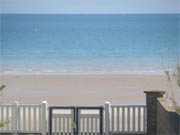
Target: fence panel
25, 118
8, 118
127, 118
90, 120
61, 120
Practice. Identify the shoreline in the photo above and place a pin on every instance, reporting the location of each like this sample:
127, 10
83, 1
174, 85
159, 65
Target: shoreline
79, 74
160, 72
79, 89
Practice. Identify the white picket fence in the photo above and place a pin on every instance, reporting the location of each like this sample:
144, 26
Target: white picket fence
125, 118
26, 118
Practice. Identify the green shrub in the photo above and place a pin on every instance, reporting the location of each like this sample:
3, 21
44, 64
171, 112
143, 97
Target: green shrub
2, 87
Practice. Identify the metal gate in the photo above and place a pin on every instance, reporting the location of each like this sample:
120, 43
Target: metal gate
90, 120
72, 120
61, 120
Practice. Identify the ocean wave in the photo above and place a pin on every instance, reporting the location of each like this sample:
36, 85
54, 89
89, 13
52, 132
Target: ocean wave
65, 71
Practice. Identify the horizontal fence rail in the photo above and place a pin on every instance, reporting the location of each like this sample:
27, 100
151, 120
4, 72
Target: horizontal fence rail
25, 118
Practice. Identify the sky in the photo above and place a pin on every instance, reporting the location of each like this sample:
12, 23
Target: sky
89, 6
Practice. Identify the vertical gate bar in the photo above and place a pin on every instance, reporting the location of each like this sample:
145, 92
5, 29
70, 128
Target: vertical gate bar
144, 118
117, 118
123, 118
92, 126
55, 126
34, 118
7, 118
24, 118
128, 119
68, 126
40, 118
18, 118
64, 126
59, 125
101, 121
79, 122
13, 116
50, 121
29, 118
87, 126
83, 126
74, 120
139, 118
96, 120
134, 118
112, 119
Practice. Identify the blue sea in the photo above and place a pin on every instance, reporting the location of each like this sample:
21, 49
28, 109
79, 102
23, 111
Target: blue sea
89, 44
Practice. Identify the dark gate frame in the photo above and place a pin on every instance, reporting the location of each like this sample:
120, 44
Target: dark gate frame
100, 108
51, 108
76, 118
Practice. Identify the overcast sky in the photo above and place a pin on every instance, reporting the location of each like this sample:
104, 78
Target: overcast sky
90, 6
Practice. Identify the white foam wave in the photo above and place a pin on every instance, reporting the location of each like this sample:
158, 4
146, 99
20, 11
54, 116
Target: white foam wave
84, 71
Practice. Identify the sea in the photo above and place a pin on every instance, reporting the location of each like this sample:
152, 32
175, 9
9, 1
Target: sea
89, 43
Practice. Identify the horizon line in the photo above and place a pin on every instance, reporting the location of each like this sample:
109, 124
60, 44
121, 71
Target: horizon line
87, 13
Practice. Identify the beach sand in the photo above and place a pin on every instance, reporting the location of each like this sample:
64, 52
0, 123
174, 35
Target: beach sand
79, 89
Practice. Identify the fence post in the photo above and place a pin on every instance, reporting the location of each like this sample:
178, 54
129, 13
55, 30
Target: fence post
107, 120
43, 119
14, 117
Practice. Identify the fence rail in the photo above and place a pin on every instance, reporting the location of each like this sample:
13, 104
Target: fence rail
29, 118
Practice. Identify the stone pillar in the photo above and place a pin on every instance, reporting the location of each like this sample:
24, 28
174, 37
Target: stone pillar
151, 102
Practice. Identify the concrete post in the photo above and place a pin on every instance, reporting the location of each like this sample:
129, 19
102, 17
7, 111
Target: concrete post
151, 102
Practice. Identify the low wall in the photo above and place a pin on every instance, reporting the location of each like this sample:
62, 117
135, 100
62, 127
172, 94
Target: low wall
167, 119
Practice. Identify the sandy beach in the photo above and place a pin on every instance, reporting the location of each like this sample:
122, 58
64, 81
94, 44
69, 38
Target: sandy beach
79, 89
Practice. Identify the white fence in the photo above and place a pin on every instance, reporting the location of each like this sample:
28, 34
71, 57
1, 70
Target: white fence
17, 118
7, 119
26, 118
125, 118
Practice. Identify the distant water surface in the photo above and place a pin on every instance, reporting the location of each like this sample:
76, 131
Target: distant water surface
88, 44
